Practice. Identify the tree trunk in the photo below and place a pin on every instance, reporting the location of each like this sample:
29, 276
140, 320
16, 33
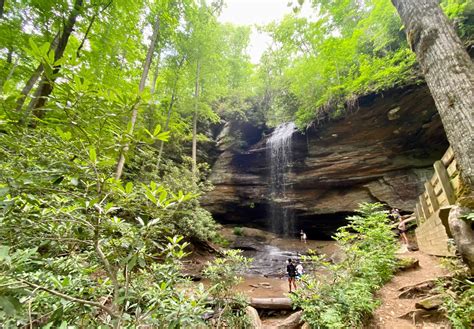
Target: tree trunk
33, 78
2, 5
195, 118
170, 109
10, 73
141, 87
89, 27
46, 84
449, 73
152, 106
277, 303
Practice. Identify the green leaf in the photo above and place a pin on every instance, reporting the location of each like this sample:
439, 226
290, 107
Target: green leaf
164, 136
92, 155
10, 305
4, 250
157, 130
150, 196
129, 187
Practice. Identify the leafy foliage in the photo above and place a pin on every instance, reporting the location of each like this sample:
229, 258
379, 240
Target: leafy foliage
80, 246
319, 65
223, 273
458, 292
346, 298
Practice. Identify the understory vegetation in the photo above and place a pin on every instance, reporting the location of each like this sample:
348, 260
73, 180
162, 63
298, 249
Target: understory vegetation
99, 186
345, 298
458, 292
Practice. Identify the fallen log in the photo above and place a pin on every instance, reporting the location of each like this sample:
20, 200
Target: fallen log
279, 303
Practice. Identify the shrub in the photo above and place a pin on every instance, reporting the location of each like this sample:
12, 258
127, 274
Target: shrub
346, 300
223, 273
458, 292
238, 231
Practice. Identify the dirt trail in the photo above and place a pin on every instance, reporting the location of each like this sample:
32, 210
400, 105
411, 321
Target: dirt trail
387, 315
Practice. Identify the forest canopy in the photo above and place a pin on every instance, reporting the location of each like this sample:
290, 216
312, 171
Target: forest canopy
319, 67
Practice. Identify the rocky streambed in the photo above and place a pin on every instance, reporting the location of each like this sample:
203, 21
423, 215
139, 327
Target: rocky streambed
270, 253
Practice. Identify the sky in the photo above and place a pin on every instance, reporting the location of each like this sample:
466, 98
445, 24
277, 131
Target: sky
260, 12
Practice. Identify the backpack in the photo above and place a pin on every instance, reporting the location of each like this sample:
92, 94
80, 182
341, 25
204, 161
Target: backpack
291, 269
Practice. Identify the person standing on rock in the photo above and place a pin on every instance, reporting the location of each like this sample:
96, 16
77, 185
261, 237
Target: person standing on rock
303, 236
291, 270
299, 270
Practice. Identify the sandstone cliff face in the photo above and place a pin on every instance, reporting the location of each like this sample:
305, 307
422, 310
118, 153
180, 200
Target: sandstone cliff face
381, 151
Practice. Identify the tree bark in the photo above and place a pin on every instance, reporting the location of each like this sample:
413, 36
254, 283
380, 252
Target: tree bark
141, 87
152, 106
449, 73
195, 118
277, 303
46, 84
2, 6
33, 78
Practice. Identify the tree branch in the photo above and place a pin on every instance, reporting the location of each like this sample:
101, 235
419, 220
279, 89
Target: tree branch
70, 298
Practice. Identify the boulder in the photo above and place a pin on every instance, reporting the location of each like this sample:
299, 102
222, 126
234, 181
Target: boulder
291, 322
407, 263
252, 314
463, 234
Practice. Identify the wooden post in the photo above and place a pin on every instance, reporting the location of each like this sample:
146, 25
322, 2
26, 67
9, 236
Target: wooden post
424, 207
443, 178
419, 214
447, 157
434, 201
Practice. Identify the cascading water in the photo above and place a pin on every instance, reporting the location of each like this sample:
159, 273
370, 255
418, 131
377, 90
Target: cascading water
279, 152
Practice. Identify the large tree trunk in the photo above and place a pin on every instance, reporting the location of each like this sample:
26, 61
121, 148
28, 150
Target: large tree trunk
195, 118
45, 86
141, 87
449, 73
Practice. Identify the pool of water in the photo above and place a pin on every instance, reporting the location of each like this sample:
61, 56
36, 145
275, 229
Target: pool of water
269, 261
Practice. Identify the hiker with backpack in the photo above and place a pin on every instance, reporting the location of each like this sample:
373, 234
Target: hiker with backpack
291, 270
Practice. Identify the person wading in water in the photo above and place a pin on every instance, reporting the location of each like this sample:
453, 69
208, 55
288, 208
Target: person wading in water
291, 270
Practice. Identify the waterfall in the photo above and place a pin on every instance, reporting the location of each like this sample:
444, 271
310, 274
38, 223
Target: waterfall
281, 220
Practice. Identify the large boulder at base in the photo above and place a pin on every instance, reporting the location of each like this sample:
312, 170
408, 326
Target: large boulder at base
252, 314
463, 234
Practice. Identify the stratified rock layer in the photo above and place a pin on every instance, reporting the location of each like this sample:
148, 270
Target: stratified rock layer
383, 150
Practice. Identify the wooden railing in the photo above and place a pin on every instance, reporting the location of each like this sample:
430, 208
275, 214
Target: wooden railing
432, 210
440, 189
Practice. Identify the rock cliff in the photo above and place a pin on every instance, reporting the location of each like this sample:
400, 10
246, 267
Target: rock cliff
382, 150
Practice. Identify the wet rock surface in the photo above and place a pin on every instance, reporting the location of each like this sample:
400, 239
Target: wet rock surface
381, 151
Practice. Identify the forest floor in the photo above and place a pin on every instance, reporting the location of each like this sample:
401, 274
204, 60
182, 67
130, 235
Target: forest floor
392, 307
